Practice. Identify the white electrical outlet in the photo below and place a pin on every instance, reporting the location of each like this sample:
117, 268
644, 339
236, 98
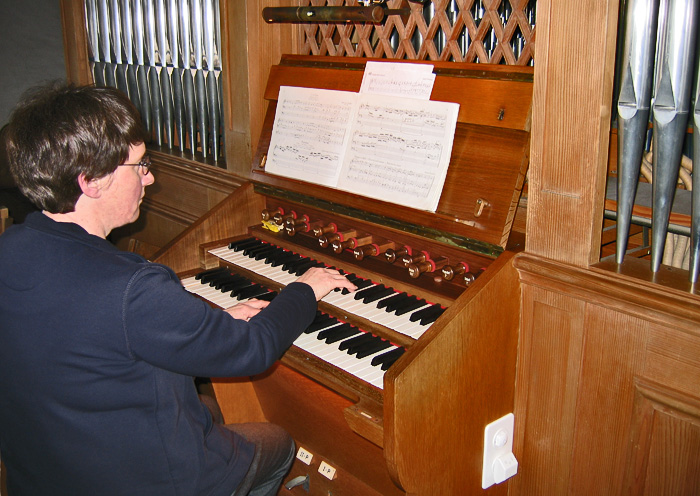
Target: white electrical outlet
327, 470
499, 461
304, 456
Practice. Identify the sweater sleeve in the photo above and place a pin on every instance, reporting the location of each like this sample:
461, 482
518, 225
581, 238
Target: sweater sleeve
172, 329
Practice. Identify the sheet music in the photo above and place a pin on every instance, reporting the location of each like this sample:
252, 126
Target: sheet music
390, 148
310, 134
399, 150
398, 79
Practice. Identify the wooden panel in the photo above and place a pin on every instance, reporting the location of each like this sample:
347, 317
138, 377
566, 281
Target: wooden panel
489, 95
237, 400
611, 359
623, 404
188, 188
664, 445
313, 415
547, 379
673, 358
231, 217
473, 355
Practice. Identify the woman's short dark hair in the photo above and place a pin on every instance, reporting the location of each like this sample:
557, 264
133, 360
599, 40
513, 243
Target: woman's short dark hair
59, 131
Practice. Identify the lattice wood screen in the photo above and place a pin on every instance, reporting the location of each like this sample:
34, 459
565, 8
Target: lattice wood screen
486, 31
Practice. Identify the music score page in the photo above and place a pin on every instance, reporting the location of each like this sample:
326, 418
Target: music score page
389, 148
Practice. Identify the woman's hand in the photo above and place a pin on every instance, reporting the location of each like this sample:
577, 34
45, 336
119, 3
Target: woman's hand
324, 280
246, 310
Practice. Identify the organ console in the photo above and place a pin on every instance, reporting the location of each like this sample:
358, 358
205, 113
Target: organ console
391, 386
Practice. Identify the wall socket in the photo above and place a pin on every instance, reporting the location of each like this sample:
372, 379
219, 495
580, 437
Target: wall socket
499, 461
304, 456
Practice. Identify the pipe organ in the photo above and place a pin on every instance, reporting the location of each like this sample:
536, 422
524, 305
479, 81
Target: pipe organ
433, 325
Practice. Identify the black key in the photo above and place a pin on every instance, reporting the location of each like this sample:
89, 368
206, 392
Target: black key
209, 272
282, 259
357, 340
293, 264
368, 291
363, 346
215, 279
232, 278
432, 312
357, 281
252, 250
321, 323
410, 306
317, 318
235, 292
278, 251
269, 296
416, 316
302, 267
208, 275
251, 292
242, 243
338, 336
330, 330
381, 344
275, 251
363, 283
315, 263
388, 358
431, 318
337, 333
391, 307
235, 285
392, 300
378, 296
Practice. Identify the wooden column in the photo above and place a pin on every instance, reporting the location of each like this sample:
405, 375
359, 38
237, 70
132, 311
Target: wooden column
75, 42
574, 68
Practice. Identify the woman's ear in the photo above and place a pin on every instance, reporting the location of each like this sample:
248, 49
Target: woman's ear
92, 188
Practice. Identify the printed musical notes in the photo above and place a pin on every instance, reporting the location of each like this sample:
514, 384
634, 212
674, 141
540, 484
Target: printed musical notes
385, 147
398, 79
310, 134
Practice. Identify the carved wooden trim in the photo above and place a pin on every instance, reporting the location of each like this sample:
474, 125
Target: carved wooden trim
655, 404
622, 292
194, 171
495, 32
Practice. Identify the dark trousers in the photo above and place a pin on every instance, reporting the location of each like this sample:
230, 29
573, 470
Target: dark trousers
274, 455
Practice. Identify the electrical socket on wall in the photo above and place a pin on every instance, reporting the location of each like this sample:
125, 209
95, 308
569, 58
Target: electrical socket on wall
499, 461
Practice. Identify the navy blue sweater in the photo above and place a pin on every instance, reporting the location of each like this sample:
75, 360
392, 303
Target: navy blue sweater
98, 348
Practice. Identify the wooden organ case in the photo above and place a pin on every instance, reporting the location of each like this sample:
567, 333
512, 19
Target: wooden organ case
419, 428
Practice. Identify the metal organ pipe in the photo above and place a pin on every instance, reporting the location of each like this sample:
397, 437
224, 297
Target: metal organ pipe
155, 51
694, 267
673, 79
633, 108
668, 30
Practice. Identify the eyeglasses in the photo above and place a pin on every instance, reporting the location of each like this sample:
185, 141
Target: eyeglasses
144, 165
